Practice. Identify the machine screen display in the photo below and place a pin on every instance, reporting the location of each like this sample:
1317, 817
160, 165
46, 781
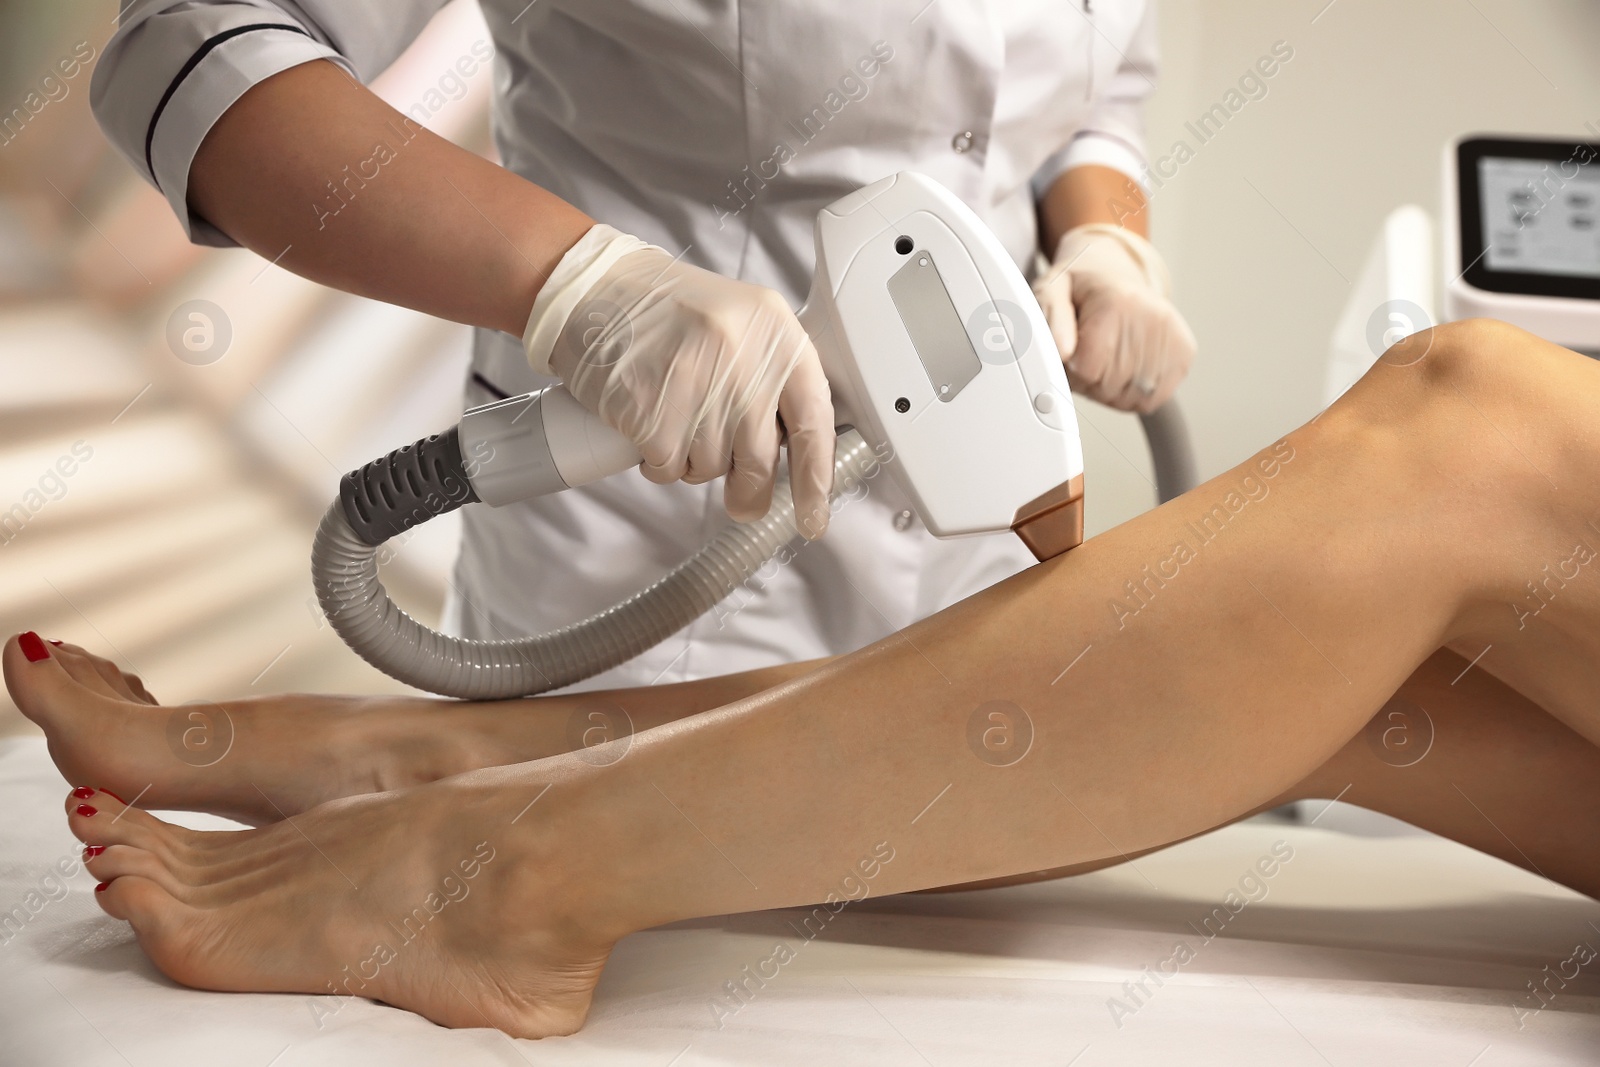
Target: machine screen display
1540, 218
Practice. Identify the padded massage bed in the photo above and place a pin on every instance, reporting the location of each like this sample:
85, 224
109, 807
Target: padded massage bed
1354, 950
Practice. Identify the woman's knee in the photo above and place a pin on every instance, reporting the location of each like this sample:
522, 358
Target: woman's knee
1448, 379
1504, 408
1478, 404
1470, 354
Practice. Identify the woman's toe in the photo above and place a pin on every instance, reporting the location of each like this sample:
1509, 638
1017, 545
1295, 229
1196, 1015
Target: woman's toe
98, 817
89, 674
110, 862
118, 685
118, 682
39, 678
136, 687
144, 903
64, 688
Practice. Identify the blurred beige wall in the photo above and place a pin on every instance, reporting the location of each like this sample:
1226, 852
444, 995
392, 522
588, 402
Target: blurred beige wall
1268, 222
157, 503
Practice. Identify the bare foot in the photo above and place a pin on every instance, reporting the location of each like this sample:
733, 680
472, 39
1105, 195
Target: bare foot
436, 900
258, 759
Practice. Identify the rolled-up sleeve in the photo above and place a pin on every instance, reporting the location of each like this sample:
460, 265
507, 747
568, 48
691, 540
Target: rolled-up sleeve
174, 66
1114, 134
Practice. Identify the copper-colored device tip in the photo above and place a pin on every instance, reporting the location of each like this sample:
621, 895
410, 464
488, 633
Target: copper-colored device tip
1052, 522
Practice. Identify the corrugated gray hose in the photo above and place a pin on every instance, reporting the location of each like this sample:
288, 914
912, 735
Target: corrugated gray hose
417, 482
1171, 451
391, 495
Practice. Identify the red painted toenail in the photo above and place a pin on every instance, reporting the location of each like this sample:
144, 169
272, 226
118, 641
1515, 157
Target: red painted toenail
86, 811
113, 796
91, 851
101, 888
53, 641
83, 792
32, 647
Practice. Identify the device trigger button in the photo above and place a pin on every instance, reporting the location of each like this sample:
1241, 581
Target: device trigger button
1044, 403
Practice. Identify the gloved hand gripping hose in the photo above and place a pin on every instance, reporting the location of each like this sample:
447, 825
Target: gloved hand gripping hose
413, 484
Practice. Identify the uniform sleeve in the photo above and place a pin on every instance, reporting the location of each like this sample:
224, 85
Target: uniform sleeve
174, 66
1114, 134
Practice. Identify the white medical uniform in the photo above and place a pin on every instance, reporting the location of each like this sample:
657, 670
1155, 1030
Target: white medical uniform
716, 130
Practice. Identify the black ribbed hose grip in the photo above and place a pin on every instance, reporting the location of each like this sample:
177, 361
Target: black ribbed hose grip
406, 488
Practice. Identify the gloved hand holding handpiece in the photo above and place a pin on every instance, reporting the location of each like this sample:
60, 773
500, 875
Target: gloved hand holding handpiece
1107, 299
694, 368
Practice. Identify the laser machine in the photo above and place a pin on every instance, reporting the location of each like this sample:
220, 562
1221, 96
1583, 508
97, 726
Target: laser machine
944, 377
1522, 235
1518, 240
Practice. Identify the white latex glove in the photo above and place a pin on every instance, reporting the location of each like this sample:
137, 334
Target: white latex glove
1106, 297
695, 369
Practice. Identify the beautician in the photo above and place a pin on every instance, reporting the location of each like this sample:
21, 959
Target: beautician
669, 157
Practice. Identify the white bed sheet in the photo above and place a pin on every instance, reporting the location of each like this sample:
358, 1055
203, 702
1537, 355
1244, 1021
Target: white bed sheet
1407, 950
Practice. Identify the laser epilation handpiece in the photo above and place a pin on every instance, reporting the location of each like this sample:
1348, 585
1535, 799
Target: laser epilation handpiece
943, 373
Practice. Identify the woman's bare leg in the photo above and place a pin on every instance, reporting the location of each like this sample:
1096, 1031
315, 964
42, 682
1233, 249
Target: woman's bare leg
1387, 528
261, 759
1462, 754
1539, 779
1459, 753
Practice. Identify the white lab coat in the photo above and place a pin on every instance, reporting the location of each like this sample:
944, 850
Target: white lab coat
717, 130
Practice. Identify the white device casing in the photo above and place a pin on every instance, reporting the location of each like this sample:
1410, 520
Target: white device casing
1009, 435
1567, 321
976, 463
